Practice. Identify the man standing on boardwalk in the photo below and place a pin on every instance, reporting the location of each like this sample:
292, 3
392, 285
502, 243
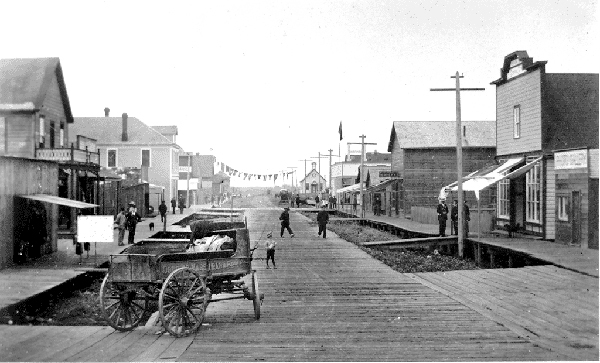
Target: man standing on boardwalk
454, 218
121, 222
442, 212
162, 208
173, 204
322, 219
285, 222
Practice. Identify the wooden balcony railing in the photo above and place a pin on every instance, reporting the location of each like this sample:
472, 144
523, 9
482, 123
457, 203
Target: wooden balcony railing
66, 155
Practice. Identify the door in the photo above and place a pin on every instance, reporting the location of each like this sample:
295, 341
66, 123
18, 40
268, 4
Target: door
576, 213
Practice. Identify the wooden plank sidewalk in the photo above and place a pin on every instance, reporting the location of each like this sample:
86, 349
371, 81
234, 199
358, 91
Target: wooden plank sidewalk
330, 301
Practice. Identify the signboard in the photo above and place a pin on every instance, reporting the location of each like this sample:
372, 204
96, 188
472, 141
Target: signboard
95, 229
185, 169
574, 159
389, 174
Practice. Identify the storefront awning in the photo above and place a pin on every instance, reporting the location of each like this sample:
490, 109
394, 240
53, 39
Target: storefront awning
58, 200
522, 170
380, 186
349, 189
482, 178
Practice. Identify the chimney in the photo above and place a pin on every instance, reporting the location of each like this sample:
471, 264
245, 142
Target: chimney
314, 165
124, 134
106, 111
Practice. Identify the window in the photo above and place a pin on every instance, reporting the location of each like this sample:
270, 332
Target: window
562, 204
146, 157
52, 134
61, 135
41, 133
2, 135
111, 158
532, 191
517, 122
504, 199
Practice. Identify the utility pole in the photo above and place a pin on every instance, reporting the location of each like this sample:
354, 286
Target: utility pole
293, 171
330, 186
459, 166
188, 179
303, 187
319, 157
362, 171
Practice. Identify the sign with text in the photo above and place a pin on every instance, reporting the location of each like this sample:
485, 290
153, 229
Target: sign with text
95, 229
574, 159
389, 174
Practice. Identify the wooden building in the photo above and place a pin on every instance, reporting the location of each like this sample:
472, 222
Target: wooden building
126, 144
424, 157
550, 121
313, 182
35, 123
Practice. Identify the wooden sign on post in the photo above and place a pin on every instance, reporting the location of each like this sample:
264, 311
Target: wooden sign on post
95, 229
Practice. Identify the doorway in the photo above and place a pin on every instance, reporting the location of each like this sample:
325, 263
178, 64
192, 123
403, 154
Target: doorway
576, 213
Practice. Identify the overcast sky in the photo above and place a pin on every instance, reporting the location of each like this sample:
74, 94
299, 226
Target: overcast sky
264, 84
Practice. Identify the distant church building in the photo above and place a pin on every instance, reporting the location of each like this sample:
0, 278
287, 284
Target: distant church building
313, 182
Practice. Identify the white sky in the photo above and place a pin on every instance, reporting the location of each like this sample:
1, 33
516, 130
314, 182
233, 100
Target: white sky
265, 84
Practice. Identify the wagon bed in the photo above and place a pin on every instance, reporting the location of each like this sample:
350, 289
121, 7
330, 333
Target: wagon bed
182, 282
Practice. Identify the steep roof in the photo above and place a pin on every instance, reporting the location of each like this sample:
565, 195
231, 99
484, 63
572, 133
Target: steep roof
24, 83
108, 130
441, 134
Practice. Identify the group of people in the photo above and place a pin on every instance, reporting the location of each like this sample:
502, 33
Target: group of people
127, 221
322, 220
442, 212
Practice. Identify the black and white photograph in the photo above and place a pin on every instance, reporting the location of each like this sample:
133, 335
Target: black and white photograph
283, 181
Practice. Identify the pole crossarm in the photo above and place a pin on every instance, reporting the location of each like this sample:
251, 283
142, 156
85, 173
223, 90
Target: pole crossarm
459, 164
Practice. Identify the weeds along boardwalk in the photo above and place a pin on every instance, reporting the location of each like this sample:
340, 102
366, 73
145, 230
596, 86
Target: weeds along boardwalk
329, 300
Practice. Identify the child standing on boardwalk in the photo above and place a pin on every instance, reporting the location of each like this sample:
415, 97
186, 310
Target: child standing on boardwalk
271, 249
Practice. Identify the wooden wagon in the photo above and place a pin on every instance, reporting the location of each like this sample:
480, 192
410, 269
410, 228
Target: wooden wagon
183, 283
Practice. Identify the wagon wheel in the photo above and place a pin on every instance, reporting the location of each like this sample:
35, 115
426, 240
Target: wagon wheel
122, 307
256, 298
182, 302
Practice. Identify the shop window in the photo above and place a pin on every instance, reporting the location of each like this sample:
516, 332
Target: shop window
517, 122
532, 181
52, 134
562, 204
504, 199
111, 158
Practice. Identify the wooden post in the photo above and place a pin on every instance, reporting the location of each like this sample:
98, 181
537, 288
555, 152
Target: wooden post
457, 89
511, 262
492, 258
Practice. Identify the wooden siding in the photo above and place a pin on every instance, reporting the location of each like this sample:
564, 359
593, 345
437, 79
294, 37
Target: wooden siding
593, 214
593, 163
53, 110
570, 111
568, 181
21, 177
427, 171
397, 157
19, 130
550, 217
526, 92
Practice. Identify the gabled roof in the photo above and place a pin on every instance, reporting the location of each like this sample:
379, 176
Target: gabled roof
24, 83
166, 130
310, 172
441, 134
108, 130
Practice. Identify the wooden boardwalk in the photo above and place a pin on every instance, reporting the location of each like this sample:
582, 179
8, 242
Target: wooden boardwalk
329, 301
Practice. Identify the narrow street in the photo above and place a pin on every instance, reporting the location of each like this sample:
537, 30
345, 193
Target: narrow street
327, 300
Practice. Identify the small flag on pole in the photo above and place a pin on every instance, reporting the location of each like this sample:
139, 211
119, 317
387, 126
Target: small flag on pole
340, 130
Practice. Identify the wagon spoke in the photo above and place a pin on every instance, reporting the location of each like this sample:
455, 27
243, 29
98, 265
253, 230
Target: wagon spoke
194, 283
134, 313
198, 289
191, 312
138, 305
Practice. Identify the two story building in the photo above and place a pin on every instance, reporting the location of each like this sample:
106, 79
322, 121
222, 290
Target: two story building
128, 146
41, 173
548, 124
